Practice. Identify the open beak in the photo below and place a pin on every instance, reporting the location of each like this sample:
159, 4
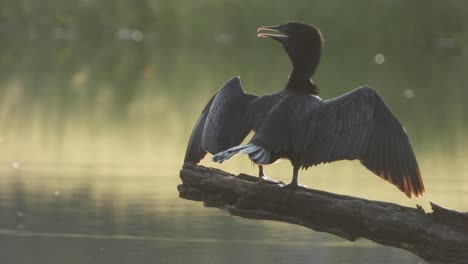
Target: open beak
276, 33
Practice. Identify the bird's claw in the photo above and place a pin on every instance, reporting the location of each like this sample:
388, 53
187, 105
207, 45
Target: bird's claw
266, 179
292, 186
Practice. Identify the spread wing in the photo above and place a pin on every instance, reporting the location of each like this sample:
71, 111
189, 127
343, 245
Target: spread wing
195, 152
358, 125
223, 122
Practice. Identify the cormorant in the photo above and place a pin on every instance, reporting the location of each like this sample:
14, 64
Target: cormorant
296, 124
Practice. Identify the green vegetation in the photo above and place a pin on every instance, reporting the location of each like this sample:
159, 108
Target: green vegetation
113, 86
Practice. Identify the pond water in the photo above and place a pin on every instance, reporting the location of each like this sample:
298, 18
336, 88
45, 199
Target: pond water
97, 103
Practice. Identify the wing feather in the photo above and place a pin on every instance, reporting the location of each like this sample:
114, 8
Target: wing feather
220, 125
194, 152
227, 119
358, 125
226, 124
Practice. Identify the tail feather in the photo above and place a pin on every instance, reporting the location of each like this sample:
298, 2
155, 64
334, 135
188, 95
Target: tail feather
256, 153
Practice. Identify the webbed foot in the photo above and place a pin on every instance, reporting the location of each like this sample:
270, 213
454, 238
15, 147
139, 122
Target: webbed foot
262, 178
266, 179
292, 186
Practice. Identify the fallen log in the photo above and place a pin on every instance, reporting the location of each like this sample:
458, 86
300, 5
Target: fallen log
438, 237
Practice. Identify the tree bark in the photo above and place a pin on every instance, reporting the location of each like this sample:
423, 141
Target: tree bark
438, 237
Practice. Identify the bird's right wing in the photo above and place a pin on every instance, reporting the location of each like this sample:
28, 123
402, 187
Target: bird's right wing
195, 152
223, 122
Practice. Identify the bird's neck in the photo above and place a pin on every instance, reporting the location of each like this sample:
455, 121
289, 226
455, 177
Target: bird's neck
301, 81
304, 66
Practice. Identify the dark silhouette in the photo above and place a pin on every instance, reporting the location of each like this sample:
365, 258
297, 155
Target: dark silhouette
298, 125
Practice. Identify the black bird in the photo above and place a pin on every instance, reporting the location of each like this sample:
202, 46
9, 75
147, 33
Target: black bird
298, 125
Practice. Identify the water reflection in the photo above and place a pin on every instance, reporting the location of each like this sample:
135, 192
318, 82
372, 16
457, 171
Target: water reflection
97, 102
100, 221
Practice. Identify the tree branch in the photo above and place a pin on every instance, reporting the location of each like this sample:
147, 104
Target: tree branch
437, 237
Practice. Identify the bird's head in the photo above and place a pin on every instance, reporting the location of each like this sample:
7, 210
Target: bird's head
302, 42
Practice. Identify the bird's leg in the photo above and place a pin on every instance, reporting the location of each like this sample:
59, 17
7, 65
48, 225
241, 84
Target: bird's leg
264, 178
293, 185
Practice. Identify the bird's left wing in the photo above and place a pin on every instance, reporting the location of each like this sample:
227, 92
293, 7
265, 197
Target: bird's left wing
223, 123
358, 125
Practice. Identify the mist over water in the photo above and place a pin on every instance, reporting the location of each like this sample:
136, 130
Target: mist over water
98, 98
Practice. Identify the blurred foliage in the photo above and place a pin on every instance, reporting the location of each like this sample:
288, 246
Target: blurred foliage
89, 83
105, 64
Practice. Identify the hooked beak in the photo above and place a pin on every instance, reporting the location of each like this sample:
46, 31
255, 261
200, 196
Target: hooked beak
277, 35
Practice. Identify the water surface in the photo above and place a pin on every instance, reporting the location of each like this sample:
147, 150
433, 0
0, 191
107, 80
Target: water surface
97, 103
